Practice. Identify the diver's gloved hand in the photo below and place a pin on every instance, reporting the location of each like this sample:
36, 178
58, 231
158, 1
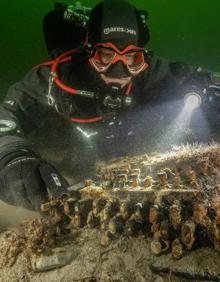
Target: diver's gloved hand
25, 181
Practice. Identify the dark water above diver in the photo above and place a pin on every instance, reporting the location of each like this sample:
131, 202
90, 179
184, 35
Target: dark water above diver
183, 30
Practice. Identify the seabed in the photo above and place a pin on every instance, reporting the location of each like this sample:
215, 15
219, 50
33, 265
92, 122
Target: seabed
66, 245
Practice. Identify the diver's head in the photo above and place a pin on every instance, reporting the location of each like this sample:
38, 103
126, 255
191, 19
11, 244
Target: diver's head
117, 35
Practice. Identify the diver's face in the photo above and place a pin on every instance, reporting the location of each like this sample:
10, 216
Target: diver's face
115, 65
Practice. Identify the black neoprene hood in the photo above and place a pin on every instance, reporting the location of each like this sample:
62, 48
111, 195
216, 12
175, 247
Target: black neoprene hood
119, 22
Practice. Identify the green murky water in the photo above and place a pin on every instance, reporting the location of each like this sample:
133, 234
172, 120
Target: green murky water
182, 30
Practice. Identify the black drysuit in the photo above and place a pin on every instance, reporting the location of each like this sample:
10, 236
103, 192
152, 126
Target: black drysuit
35, 134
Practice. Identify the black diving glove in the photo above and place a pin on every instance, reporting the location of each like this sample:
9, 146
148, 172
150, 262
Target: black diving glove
27, 181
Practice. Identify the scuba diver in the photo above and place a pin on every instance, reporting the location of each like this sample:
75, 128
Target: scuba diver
101, 95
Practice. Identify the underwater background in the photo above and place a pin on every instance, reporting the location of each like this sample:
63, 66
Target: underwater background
181, 30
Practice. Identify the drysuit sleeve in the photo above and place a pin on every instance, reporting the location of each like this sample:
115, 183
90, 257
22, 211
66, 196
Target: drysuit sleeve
168, 80
24, 177
173, 80
19, 110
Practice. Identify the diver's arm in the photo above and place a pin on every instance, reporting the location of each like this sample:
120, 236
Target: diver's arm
173, 85
20, 108
163, 78
24, 177
167, 80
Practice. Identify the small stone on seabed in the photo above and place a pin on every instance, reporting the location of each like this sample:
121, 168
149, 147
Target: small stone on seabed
45, 263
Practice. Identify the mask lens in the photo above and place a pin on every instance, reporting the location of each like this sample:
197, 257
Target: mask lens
104, 56
134, 60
